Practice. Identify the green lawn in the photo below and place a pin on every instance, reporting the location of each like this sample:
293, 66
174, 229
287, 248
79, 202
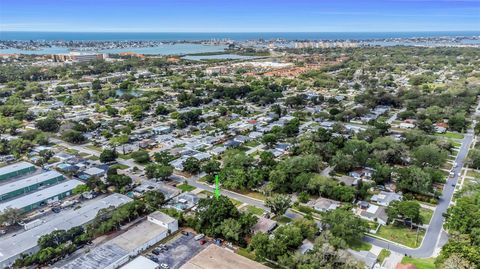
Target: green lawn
93, 158
254, 210
252, 143
402, 235
472, 173
420, 263
124, 156
245, 253
283, 219
235, 202
383, 254
185, 187
120, 166
426, 215
451, 135
92, 147
361, 245
255, 195
71, 151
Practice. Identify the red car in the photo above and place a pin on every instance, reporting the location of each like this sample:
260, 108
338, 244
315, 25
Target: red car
203, 241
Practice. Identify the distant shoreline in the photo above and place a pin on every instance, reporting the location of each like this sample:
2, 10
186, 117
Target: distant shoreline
235, 36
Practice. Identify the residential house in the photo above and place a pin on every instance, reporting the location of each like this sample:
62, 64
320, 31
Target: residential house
385, 198
324, 204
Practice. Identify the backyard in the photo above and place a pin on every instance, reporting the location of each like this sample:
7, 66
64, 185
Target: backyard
402, 235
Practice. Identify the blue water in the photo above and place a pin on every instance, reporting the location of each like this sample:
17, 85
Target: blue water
165, 49
48, 36
218, 57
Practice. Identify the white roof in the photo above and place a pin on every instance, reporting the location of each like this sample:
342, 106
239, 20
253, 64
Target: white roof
140, 262
66, 219
372, 209
26, 182
94, 171
15, 167
38, 196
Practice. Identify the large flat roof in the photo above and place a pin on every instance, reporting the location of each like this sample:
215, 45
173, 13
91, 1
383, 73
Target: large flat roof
141, 262
15, 167
101, 256
29, 181
214, 257
41, 195
66, 219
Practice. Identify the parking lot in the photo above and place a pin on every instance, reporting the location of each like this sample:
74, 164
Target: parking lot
180, 249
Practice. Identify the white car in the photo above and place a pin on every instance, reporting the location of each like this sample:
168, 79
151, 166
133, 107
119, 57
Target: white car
164, 266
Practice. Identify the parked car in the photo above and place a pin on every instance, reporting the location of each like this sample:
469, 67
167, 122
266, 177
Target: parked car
199, 236
203, 241
156, 251
56, 210
185, 233
164, 266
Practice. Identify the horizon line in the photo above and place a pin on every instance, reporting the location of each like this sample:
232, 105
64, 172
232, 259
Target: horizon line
239, 32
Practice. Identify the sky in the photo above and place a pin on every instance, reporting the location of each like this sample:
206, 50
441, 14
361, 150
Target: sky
239, 15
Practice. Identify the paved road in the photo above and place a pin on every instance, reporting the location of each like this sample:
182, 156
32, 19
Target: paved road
394, 116
434, 231
242, 198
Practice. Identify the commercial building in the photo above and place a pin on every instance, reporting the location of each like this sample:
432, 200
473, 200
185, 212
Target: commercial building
15, 170
30, 184
43, 197
132, 242
11, 247
141, 262
214, 257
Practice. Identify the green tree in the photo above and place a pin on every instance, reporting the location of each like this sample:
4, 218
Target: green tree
270, 140
154, 200
140, 156
163, 157
405, 210
73, 136
192, 165
414, 179
48, 124
278, 203
430, 155
108, 155
10, 216
344, 226
158, 171
211, 167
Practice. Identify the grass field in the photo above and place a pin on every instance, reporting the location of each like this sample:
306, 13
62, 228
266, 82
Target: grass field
255, 195
93, 158
472, 173
402, 235
420, 263
361, 245
71, 151
124, 156
255, 210
120, 166
426, 215
451, 135
92, 147
384, 253
283, 219
185, 187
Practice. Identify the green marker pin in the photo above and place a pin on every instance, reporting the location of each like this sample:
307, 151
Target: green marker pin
217, 187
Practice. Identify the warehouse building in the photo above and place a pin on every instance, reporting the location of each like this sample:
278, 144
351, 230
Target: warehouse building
43, 197
118, 251
30, 184
12, 246
15, 170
